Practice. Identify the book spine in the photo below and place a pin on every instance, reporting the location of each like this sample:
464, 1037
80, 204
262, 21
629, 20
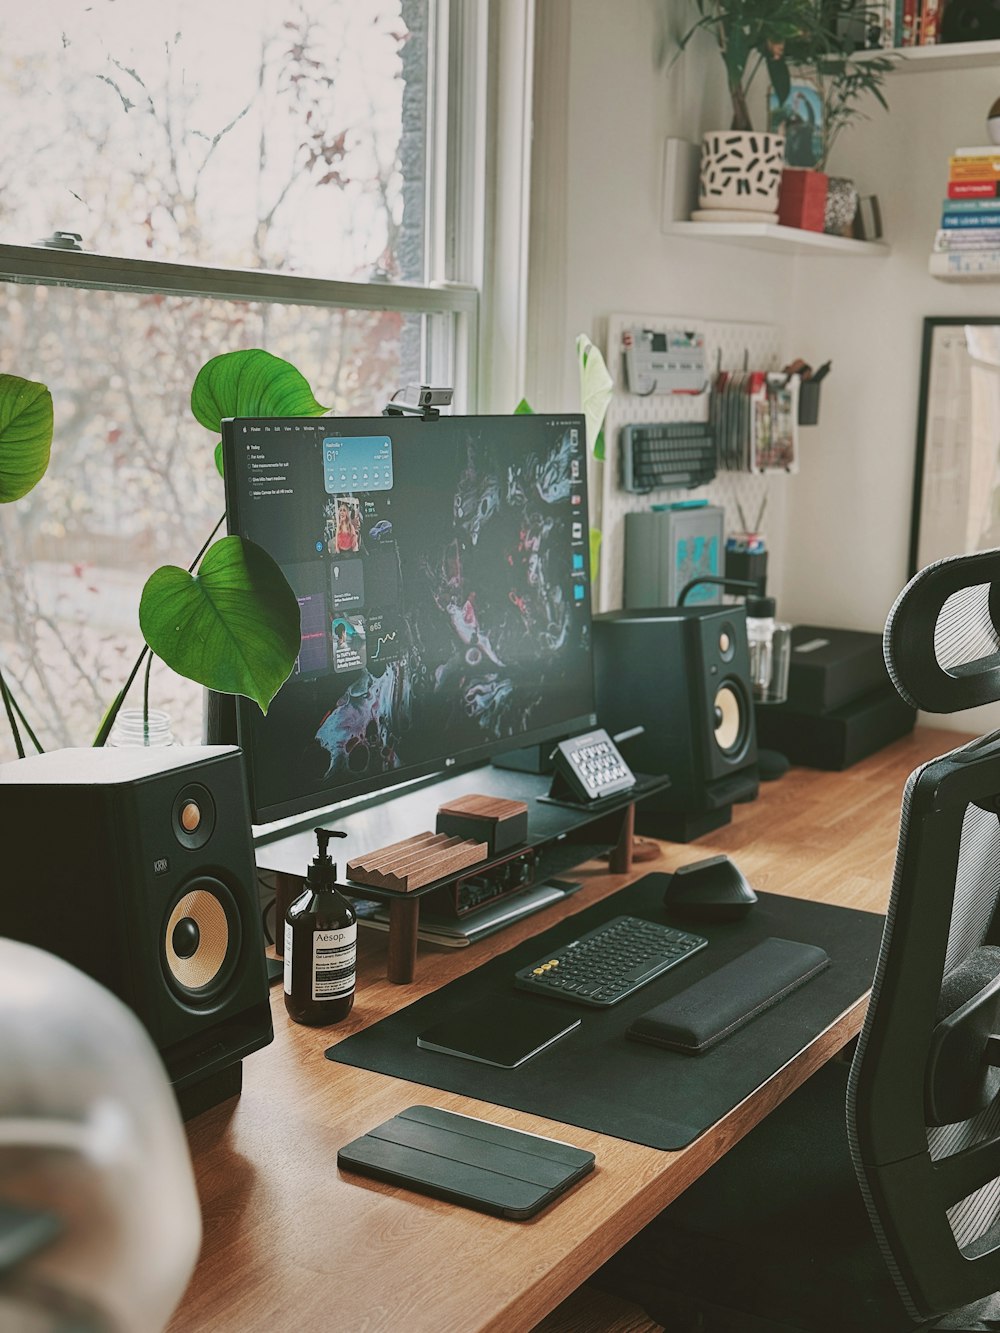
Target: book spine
982, 172
966, 240
959, 220
909, 24
944, 266
974, 189
929, 26
880, 29
971, 205
897, 23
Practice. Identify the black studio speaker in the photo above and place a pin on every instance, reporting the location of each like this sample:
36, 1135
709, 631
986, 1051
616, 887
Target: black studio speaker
683, 673
136, 866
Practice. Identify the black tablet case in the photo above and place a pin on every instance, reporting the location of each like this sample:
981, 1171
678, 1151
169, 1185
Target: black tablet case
598, 1080
468, 1161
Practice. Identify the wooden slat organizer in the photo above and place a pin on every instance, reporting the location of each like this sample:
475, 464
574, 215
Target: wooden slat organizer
416, 861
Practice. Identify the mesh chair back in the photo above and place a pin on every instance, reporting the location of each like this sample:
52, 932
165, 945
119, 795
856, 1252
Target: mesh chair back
924, 1101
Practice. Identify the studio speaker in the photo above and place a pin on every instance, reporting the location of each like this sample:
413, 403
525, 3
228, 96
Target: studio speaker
136, 866
684, 674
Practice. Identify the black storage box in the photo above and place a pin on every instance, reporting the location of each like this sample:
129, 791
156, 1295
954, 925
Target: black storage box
832, 667
500, 823
839, 738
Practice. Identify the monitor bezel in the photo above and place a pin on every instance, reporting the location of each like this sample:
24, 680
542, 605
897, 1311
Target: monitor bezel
247, 712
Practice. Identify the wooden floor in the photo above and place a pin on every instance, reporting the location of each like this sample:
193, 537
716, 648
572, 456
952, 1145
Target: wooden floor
591, 1311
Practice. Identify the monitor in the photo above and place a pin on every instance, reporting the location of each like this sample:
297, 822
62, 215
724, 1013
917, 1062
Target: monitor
443, 579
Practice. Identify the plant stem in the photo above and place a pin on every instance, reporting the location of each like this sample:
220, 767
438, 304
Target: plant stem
10, 717
145, 701
211, 538
116, 706
24, 722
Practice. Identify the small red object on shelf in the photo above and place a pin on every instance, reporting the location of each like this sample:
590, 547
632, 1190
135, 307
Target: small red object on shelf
802, 201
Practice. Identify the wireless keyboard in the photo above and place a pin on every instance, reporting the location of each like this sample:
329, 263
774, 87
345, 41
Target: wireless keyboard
609, 963
669, 453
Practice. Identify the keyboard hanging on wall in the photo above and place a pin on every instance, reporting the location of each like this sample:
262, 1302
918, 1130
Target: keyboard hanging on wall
667, 453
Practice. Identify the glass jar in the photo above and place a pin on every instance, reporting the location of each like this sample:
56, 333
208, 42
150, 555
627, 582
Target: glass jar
770, 643
131, 728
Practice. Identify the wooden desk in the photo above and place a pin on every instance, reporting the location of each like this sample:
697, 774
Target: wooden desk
291, 1244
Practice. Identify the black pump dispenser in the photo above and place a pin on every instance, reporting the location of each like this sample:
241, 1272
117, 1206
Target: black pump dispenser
320, 944
322, 873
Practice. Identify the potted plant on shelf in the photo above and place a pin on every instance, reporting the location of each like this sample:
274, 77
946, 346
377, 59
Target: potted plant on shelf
232, 623
837, 86
741, 168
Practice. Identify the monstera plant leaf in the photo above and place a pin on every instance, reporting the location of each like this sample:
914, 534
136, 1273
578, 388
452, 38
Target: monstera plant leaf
233, 626
250, 383
25, 435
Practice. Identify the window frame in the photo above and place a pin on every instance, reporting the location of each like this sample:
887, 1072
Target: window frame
459, 72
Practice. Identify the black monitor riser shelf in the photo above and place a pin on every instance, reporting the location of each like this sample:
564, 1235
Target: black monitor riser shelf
563, 835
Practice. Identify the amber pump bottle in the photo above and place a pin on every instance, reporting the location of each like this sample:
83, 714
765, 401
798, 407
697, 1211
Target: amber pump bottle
321, 936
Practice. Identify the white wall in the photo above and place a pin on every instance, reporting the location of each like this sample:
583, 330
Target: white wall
597, 243
839, 550
849, 527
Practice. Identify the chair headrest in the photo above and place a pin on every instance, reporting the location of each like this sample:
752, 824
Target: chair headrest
942, 637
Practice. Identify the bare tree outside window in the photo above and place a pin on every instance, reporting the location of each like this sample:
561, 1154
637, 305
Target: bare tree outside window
286, 135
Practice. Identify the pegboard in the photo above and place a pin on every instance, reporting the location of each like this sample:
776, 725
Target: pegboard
730, 346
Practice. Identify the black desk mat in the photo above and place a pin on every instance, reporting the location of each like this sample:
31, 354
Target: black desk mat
595, 1078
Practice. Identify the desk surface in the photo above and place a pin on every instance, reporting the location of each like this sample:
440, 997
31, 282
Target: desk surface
290, 1243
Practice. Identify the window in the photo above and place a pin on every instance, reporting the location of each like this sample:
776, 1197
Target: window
241, 173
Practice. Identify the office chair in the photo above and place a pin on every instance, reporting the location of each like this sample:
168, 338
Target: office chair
890, 1221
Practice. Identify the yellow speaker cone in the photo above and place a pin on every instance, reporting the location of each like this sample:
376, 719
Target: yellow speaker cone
728, 719
197, 940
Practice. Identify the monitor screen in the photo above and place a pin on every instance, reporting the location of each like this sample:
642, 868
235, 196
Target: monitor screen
442, 574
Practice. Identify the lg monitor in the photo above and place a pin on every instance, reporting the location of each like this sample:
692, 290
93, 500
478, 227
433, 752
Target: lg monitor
443, 579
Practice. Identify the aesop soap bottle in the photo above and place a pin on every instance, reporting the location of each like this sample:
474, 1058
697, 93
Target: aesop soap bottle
321, 937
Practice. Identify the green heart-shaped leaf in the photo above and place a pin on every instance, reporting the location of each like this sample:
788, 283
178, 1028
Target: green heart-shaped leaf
251, 383
233, 626
25, 435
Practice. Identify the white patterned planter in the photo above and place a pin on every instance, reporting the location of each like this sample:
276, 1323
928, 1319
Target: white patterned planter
741, 169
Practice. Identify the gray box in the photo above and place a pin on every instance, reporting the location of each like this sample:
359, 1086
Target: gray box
666, 548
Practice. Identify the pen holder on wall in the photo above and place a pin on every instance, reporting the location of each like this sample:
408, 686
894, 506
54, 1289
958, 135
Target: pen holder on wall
809, 402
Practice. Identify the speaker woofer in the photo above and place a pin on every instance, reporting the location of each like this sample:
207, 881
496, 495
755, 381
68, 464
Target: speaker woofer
731, 728
201, 940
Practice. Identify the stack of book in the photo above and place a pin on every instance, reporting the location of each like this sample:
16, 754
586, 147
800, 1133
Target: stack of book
893, 23
968, 240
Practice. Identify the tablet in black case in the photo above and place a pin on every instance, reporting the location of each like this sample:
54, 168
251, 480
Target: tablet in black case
468, 1161
506, 1031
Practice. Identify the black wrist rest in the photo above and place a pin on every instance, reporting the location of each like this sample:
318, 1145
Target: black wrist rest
722, 1002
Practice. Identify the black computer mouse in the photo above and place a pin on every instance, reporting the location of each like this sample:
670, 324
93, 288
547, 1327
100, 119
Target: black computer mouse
711, 890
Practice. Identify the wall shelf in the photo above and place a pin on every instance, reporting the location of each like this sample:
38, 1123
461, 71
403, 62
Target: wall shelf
778, 239
951, 55
966, 277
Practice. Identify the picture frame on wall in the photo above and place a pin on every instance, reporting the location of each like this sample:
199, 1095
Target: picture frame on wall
956, 484
800, 119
